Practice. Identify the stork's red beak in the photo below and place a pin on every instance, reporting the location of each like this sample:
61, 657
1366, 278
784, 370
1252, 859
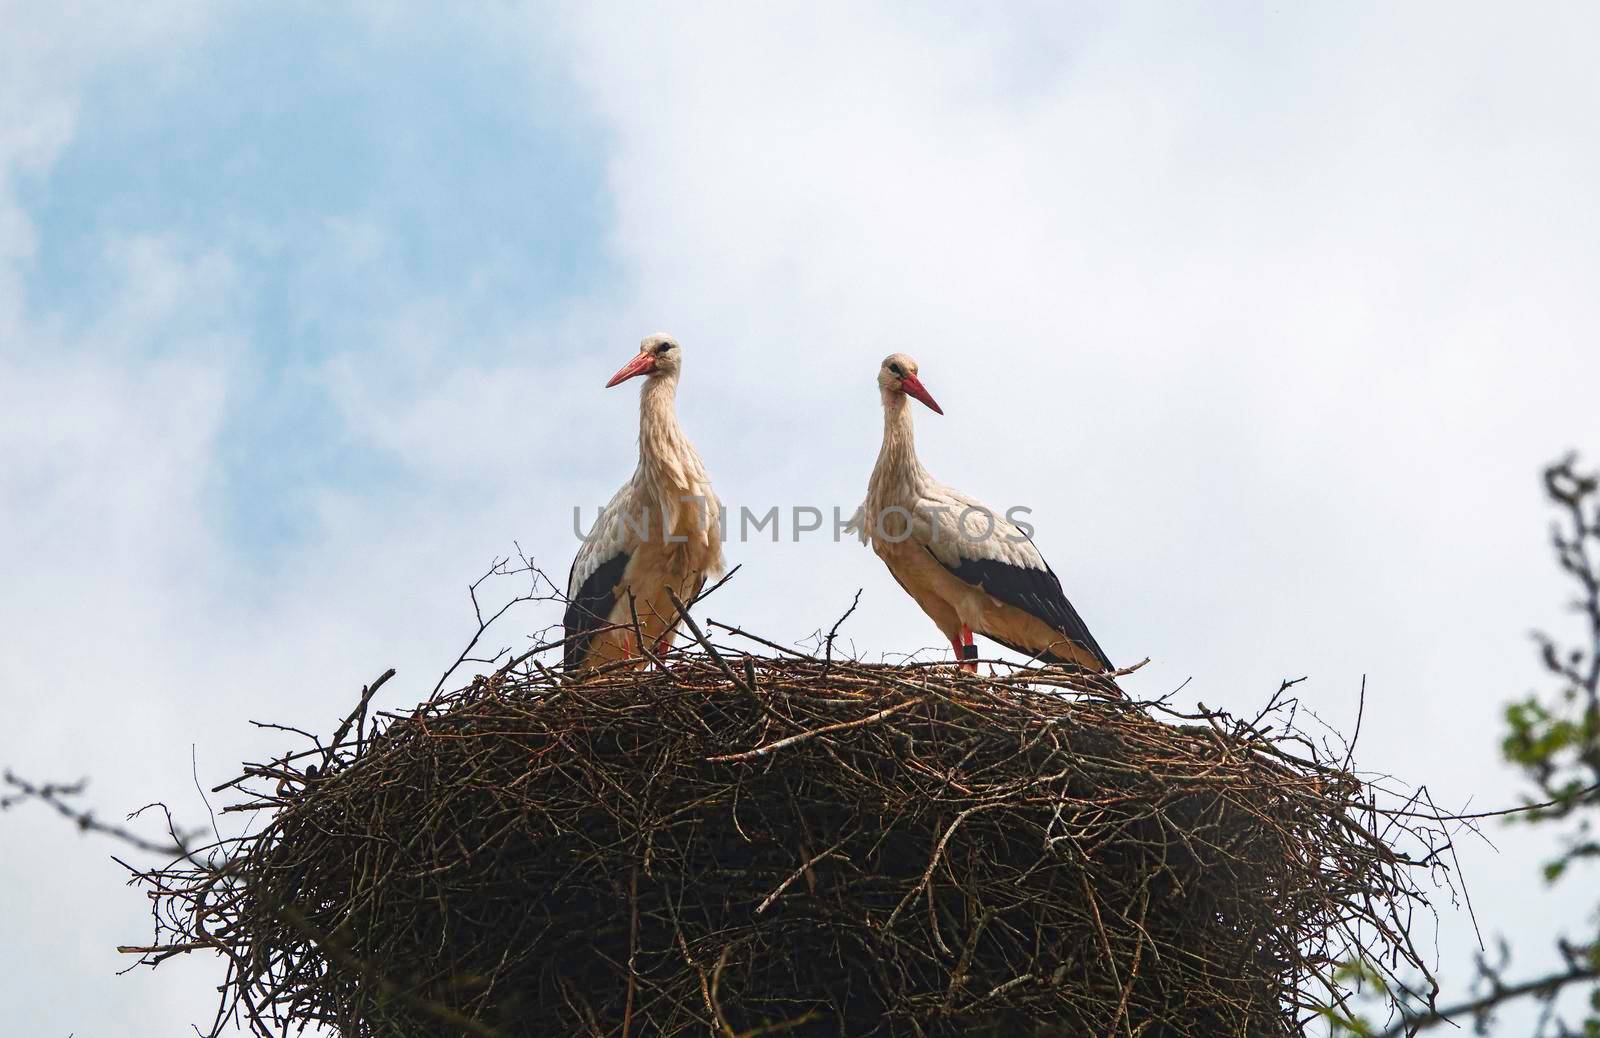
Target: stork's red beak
913, 385
643, 364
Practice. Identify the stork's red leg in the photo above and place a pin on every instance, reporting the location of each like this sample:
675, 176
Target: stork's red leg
967, 651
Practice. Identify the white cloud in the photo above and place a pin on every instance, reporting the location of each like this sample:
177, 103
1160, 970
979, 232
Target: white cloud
48, 55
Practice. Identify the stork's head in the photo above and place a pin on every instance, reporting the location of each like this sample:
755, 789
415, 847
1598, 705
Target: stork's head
899, 375
659, 354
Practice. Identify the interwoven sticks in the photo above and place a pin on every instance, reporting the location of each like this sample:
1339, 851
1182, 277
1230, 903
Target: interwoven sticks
745, 845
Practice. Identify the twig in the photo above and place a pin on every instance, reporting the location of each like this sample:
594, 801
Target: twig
367, 692
762, 751
711, 650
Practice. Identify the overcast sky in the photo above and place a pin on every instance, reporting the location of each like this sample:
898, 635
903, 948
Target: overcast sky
1270, 313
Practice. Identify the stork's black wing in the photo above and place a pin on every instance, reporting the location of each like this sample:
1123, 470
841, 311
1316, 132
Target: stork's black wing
1035, 591
589, 610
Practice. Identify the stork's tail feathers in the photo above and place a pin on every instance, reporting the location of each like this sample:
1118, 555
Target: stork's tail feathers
1068, 652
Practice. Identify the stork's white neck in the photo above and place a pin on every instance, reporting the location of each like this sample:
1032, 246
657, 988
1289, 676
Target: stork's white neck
898, 466
658, 393
660, 435
669, 469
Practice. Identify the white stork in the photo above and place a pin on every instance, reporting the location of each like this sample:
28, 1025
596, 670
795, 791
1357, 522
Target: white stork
969, 569
661, 530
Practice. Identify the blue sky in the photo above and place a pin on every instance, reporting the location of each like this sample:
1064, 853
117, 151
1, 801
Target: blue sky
282, 134
1270, 315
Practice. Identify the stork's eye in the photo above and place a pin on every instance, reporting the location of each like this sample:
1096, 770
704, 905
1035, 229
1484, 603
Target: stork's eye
663, 348
898, 370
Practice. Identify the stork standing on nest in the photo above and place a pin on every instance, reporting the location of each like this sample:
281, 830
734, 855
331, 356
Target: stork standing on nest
661, 530
970, 570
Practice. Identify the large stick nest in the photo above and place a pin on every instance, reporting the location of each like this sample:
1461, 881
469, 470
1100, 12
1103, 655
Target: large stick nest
747, 845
